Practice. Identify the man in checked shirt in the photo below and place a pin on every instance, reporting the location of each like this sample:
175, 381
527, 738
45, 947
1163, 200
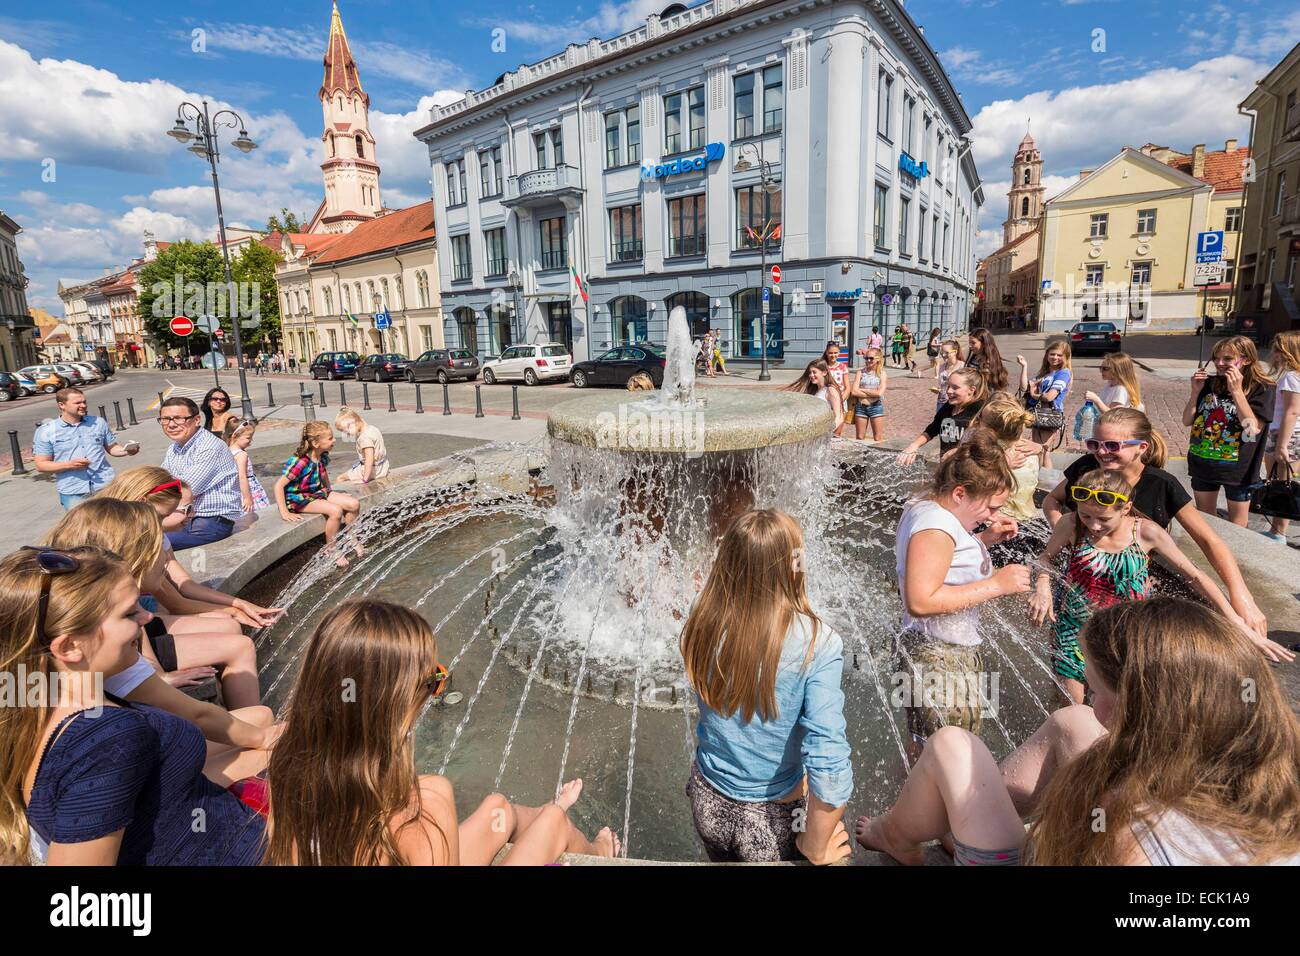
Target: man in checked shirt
204, 462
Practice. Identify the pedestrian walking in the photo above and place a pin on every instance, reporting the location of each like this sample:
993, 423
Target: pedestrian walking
76, 447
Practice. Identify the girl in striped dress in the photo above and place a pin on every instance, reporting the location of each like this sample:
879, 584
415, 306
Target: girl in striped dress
1107, 547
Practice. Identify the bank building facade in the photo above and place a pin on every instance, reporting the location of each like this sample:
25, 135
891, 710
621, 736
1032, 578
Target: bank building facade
580, 199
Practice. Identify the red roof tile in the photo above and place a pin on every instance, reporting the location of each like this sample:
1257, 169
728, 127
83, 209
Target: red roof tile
400, 228
340, 68
1223, 169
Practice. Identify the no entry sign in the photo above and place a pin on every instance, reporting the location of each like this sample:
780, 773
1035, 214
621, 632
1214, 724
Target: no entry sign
776, 275
182, 325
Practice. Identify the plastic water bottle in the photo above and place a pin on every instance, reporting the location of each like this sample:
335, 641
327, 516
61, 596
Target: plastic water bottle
1084, 419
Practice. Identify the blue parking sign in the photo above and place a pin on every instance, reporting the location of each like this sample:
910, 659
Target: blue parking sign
1209, 246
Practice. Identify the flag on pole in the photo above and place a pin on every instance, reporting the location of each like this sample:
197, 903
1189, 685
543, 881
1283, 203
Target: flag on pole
776, 233
353, 319
577, 280
753, 236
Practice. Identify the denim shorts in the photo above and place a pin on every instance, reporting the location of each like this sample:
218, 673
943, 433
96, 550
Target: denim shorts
875, 410
1231, 492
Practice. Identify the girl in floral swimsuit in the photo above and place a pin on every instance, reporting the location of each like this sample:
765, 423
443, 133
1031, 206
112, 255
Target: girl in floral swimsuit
1107, 546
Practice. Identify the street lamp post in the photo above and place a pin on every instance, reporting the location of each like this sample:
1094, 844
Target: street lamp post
770, 186
206, 147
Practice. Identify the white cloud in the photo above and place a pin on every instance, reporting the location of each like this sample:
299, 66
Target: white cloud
610, 19
994, 211
403, 159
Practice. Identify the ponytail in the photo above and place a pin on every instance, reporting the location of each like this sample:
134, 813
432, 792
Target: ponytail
978, 464
1137, 424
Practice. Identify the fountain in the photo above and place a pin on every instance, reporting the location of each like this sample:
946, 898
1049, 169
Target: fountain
558, 594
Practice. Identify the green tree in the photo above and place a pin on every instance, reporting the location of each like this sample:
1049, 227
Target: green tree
284, 222
189, 266
256, 264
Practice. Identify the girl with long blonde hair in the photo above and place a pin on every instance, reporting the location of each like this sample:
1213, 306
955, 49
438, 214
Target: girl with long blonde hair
372, 454
967, 393
771, 746
343, 786
1282, 450
164, 493
1007, 419
1228, 413
1124, 441
817, 381
867, 391
86, 777
1045, 395
1184, 778
1123, 387
304, 487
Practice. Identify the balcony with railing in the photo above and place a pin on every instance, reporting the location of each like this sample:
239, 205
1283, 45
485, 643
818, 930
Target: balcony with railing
627, 251
542, 185
1291, 214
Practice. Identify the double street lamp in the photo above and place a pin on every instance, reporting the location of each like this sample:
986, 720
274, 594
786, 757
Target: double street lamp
770, 187
205, 147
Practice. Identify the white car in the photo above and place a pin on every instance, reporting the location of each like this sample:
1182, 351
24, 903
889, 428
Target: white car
532, 363
91, 373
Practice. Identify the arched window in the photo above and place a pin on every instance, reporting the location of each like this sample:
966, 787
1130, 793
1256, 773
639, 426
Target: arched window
467, 325
1024, 207
371, 298
696, 305
628, 314
361, 303
332, 153
383, 293
347, 299
361, 147
1026, 175
422, 288
746, 311
329, 302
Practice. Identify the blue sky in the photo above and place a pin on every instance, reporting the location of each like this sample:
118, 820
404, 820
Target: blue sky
92, 86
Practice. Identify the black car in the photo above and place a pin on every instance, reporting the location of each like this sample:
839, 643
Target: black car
9, 387
383, 367
104, 366
332, 365
445, 365
1095, 337
617, 365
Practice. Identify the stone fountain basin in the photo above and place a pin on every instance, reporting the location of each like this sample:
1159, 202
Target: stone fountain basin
725, 419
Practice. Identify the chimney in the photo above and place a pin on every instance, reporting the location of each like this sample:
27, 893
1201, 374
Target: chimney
1085, 173
1198, 160
1229, 146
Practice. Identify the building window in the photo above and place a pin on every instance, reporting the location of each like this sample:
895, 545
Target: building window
383, 293
904, 213
1146, 221
686, 226
884, 95
554, 252
632, 128
749, 332
773, 99
1024, 207
934, 239
692, 101
628, 315
461, 268
334, 340
422, 288
347, 299
539, 150
454, 197
613, 140
757, 211
467, 325
920, 235
744, 102
489, 172
499, 337
426, 335
1281, 194
625, 233
944, 247
494, 243
329, 302
1099, 224
1232, 220
696, 105
881, 209
557, 146
673, 123
909, 114
1096, 275
1229, 273
1141, 273
1026, 176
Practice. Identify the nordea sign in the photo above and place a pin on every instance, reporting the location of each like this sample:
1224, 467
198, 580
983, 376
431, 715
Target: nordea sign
689, 164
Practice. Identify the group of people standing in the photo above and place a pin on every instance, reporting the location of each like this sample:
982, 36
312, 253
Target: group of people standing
264, 362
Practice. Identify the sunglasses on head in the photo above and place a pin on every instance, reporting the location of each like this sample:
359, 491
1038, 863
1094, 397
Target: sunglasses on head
1109, 447
174, 483
1107, 499
50, 562
437, 683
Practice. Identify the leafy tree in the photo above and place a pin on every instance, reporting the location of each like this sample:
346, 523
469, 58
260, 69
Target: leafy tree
256, 263
285, 222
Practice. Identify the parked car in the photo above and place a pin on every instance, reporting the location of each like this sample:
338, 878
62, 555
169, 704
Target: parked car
332, 365
1095, 337
47, 379
104, 366
533, 363
91, 373
9, 387
73, 374
383, 367
444, 365
616, 366
27, 384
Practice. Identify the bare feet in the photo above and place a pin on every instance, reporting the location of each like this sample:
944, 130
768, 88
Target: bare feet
342, 562
360, 551
569, 794
606, 843
873, 834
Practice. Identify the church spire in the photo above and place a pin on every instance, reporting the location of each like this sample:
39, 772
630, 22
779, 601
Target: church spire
340, 69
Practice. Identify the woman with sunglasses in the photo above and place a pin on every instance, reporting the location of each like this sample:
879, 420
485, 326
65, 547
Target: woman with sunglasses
1124, 441
343, 785
216, 410
1106, 546
88, 778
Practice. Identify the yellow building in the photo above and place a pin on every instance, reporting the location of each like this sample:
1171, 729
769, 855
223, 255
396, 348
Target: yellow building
1120, 244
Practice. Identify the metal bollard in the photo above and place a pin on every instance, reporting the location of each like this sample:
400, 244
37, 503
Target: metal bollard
308, 408
446, 399
343, 393
17, 453
514, 395
322, 395
392, 404
478, 401
130, 411
419, 402
365, 396
270, 396
117, 415
103, 413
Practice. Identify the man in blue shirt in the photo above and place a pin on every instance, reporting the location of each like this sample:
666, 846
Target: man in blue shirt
75, 447
204, 462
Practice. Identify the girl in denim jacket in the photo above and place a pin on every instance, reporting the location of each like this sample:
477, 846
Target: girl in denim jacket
772, 773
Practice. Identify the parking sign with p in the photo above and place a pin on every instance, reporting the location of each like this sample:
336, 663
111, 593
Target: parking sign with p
1209, 246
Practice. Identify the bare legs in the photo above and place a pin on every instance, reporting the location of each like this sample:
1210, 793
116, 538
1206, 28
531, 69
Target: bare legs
340, 510
235, 655
539, 834
957, 787
1207, 503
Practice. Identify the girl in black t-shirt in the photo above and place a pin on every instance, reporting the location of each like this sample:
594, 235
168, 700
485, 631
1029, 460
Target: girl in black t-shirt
966, 396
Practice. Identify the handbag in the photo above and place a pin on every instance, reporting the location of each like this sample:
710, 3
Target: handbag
1277, 497
1049, 417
